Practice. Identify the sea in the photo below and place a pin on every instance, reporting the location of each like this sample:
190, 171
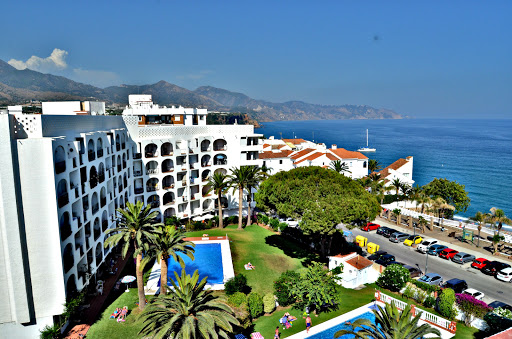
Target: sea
474, 153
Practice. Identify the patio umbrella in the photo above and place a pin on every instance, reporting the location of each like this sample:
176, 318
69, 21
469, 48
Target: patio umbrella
127, 279
207, 216
198, 218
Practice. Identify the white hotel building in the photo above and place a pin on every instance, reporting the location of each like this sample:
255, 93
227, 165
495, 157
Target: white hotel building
64, 173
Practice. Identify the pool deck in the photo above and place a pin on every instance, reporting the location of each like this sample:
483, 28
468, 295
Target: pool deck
350, 315
227, 264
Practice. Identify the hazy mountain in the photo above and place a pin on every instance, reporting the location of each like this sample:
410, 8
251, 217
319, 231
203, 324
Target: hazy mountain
18, 86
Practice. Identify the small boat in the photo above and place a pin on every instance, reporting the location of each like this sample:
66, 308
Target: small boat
366, 149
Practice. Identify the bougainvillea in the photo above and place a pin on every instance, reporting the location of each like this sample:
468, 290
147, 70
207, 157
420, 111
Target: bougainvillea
471, 307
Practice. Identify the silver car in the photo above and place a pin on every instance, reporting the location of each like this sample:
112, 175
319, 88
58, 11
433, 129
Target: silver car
432, 279
398, 237
462, 258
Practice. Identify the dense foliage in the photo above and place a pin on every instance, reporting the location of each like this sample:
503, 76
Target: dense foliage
426, 287
236, 299
255, 303
451, 191
282, 287
498, 320
471, 307
236, 284
446, 305
269, 303
320, 198
394, 277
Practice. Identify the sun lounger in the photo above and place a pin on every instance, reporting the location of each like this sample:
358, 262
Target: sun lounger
256, 335
240, 336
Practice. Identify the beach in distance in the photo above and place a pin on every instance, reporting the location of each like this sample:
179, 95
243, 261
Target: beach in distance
475, 153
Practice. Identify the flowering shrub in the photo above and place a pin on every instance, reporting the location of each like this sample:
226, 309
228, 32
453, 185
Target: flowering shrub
471, 307
394, 277
503, 312
498, 320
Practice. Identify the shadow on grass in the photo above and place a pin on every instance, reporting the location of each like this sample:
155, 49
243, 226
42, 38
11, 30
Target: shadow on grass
293, 249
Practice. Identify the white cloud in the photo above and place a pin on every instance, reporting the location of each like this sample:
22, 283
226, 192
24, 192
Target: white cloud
55, 62
194, 76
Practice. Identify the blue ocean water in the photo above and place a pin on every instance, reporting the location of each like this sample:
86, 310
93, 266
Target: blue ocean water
329, 333
208, 261
475, 153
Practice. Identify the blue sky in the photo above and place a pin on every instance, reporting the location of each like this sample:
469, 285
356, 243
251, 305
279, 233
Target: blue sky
420, 58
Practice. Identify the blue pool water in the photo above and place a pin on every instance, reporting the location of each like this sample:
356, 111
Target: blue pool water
329, 333
208, 261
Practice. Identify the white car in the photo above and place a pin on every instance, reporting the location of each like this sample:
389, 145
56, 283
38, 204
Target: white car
505, 274
474, 293
290, 222
425, 245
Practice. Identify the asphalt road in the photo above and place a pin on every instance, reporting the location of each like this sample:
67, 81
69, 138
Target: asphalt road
493, 288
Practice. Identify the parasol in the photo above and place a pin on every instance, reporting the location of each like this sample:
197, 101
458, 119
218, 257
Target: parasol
127, 280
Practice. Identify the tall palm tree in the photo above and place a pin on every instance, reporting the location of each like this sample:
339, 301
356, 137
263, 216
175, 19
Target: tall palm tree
238, 181
374, 165
339, 166
189, 311
480, 218
390, 323
498, 216
422, 222
397, 185
169, 244
219, 185
254, 177
136, 227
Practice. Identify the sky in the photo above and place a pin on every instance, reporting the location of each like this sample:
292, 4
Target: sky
425, 59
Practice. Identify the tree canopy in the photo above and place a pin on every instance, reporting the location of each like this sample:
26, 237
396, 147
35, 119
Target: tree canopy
319, 197
451, 191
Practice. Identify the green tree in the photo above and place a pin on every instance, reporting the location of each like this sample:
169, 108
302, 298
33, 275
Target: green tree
422, 223
219, 185
496, 239
452, 192
390, 323
498, 216
254, 177
137, 228
166, 245
394, 277
188, 311
239, 180
397, 185
446, 304
320, 198
339, 166
374, 165
480, 218
173, 221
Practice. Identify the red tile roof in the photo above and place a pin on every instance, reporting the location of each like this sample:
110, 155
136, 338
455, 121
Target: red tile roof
266, 145
302, 153
332, 157
310, 157
359, 262
344, 154
273, 155
394, 166
295, 141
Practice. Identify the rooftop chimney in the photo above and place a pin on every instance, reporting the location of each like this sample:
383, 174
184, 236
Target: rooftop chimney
334, 146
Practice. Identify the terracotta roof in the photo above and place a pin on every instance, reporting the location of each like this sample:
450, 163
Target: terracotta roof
332, 157
280, 146
273, 155
344, 154
266, 145
295, 141
310, 157
343, 256
359, 262
302, 153
502, 335
394, 166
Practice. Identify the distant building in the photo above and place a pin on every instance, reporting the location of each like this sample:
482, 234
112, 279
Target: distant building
400, 169
357, 270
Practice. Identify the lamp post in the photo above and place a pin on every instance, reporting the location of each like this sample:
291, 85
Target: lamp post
426, 264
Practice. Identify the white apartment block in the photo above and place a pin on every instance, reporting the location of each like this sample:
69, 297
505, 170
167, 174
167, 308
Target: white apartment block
64, 175
400, 169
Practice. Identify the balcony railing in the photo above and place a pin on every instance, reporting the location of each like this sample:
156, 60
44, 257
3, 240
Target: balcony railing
167, 154
207, 149
220, 162
151, 154
138, 190
169, 203
63, 199
151, 188
206, 164
168, 169
152, 171
60, 167
222, 148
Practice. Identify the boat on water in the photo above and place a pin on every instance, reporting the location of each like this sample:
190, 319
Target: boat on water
366, 149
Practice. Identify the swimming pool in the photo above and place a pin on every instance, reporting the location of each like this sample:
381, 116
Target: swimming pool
208, 261
329, 333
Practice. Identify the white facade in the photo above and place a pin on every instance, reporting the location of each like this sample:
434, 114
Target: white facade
64, 175
357, 270
400, 169
74, 107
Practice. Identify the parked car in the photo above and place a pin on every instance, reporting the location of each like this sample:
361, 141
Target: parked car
382, 229
432, 279
385, 259
447, 253
398, 237
436, 249
377, 255
426, 244
496, 304
505, 274
289, 221
415, 272
494, 267
370, 227
412, 239
474, 293
457, 285
387, 232
479, 263
462, 258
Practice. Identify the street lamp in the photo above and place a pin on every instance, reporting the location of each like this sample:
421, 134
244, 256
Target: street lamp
426, 264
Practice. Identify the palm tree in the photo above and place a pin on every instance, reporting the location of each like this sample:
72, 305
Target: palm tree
422, 222
136, 227
219, 184
396, 184
189, 311
169, 244
374, 165
238, 180
496, 239
480, 218
390, 323
498, 216
339, 166
254, 177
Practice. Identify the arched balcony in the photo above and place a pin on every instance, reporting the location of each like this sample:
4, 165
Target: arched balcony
207, 204
121, 202
150, 150
124, 161
96, 228
64, 226
152, 167
103, 197
168, 182
170, 212
125, 180
220, 159
220, 145
167, 166
99, 254
169, 199
205, 176
119, 164
154, 201
71, 289
118, 143
106, 249
138, 188
59, 157
224, 202
166, 149
95, 203
120, 183
101, 173
99, 148
123, 141
206, 160
221, 170
104, 221
62, 193
93, 177
152, 185
68, 258
206, 191
205, 146
90, 150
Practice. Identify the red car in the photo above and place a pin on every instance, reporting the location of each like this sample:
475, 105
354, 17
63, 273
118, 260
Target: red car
448, 253
370, 227
479, 263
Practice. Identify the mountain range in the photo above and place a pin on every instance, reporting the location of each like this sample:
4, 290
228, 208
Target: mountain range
19, 86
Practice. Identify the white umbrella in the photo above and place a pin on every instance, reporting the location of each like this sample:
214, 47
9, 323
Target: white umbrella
198, 218
128, 279
207, 216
